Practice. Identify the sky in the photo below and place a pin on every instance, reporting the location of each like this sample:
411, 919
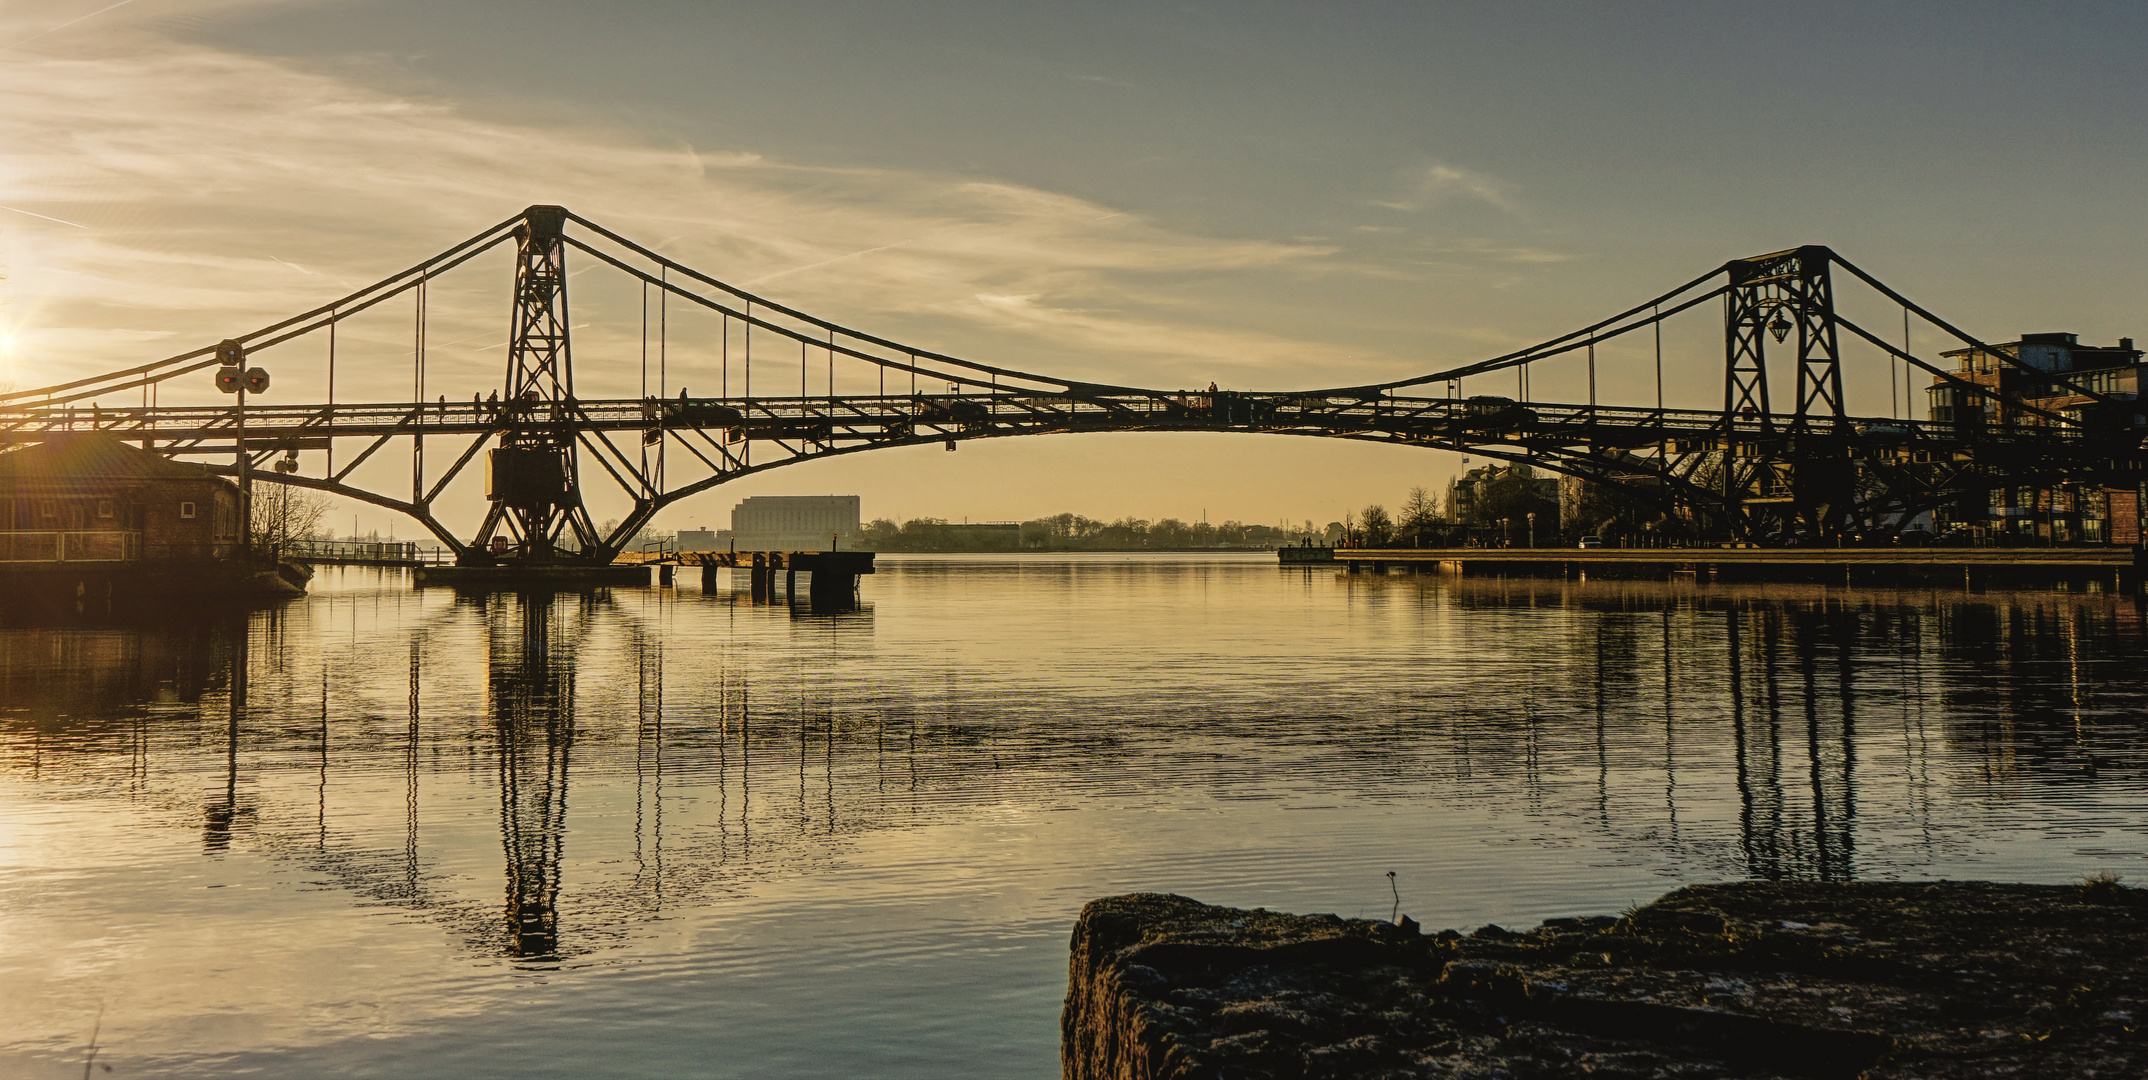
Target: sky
1263, 195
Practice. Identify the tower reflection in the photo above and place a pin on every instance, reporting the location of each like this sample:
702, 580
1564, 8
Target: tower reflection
531, 697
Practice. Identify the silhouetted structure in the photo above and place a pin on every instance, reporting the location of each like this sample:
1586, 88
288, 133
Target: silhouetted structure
1749, 470
2023, 384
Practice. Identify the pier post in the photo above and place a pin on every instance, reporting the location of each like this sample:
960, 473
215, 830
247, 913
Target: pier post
833, 590
709, 581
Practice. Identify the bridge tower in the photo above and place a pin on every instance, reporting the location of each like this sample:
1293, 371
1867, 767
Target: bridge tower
537, 514
1773, 475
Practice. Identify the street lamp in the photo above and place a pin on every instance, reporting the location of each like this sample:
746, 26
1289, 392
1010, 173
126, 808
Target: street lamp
1506, 535
1532, 528
230, 357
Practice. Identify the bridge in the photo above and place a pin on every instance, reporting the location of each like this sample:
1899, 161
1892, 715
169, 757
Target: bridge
807, 389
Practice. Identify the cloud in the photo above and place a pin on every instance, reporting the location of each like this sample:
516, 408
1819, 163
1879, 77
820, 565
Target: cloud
1437, 184
218, 192
57, 27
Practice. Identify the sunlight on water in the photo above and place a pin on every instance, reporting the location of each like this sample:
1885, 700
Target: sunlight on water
676, 833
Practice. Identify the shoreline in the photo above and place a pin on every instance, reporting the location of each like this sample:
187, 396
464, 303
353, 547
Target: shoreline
1878, 980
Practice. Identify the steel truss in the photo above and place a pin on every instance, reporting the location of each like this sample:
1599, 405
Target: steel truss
1744, 471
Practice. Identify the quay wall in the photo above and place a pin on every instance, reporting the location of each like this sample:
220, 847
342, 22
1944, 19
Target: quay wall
2120, 566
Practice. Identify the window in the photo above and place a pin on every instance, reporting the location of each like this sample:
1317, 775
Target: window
186, 510
104, 508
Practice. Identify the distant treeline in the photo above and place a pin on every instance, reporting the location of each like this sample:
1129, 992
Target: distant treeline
1073, 532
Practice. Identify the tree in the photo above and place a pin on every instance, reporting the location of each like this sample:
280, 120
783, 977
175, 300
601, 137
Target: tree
1378, 528
1419, 513
284, 512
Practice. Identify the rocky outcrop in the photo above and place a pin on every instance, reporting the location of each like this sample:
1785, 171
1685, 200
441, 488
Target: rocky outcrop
1888, 981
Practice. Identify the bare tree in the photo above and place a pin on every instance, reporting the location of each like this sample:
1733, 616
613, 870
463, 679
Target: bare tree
1378, 528
283, 512
1420, 511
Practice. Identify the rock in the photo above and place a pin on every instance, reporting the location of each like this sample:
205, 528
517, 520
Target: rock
1889, 981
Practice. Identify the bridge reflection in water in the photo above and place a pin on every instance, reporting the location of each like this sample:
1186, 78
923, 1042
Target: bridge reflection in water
709, 746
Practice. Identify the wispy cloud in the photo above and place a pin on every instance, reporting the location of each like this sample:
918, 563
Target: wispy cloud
1437, 184
213, 176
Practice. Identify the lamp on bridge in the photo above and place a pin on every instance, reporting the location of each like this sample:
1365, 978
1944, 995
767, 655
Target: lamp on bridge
1780, 327
233, 378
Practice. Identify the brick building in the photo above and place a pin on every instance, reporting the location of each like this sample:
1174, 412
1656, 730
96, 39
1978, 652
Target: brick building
88, 497
2069, 513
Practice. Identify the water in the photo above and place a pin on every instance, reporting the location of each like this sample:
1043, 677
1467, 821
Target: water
658, 833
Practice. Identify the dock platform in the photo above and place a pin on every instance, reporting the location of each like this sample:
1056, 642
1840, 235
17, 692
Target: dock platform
559, 576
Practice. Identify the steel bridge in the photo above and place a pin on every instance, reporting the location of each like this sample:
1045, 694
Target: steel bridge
1742, 471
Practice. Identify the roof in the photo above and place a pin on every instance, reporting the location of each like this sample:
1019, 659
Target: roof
79, 459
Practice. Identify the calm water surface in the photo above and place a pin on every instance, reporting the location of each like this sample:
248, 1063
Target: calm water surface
671, 833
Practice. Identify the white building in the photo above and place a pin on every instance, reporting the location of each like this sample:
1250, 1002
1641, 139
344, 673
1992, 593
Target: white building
703, 540
791, 523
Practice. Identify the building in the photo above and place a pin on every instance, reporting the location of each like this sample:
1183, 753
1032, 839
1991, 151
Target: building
2068, 513
792, 523
88, 497
1494, 502
2114, 372
703, 540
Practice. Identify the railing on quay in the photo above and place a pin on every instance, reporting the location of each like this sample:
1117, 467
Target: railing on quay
71, 545
370, 552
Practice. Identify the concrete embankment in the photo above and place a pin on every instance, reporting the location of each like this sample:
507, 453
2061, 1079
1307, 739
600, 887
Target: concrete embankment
2120, 567
1887, 981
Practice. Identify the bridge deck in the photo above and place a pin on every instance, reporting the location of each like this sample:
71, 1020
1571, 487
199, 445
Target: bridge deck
853, 419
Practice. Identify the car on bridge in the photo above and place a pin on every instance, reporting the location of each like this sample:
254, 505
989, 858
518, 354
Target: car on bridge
1486, 410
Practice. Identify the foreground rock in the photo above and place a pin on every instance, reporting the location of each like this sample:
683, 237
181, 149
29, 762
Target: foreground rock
1750, 980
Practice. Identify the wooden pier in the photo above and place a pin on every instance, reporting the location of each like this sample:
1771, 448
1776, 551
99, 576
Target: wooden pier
834, 583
